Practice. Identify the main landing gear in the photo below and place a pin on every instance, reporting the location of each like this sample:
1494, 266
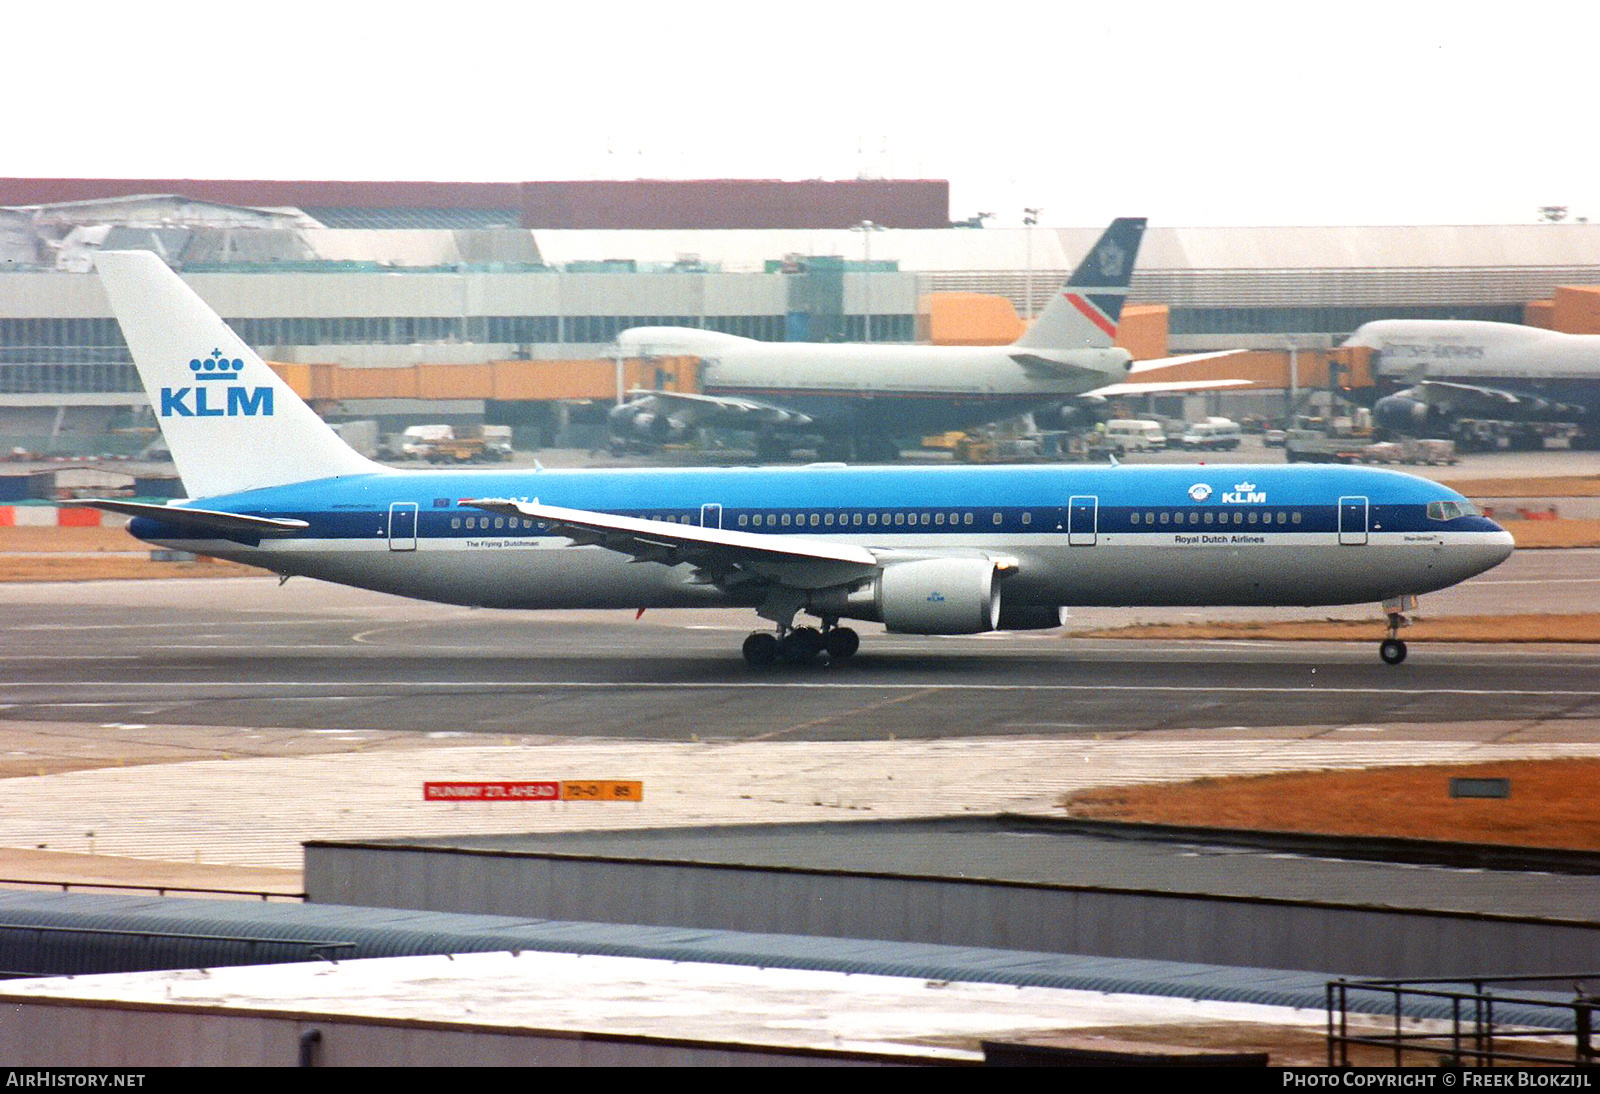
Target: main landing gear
1393, 648
798, 645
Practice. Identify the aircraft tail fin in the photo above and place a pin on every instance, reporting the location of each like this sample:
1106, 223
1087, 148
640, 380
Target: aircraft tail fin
1085, 313
230, 422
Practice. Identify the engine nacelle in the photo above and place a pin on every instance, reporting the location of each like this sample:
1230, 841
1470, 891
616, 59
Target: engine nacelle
1031, 617
639, 423
1080, 413
1401, 413
939, 596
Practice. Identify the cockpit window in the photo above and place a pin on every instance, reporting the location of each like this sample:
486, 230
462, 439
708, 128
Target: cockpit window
1451, 510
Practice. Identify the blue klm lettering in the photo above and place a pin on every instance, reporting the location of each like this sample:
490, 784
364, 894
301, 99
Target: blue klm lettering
243, 402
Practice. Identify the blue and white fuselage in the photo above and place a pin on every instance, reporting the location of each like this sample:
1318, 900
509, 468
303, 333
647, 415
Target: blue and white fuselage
929, 550
1146, 535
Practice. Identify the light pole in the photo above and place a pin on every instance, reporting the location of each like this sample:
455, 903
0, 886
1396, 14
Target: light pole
1030, 217
866, 228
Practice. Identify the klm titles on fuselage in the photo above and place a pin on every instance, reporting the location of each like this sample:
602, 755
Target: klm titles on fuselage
196, 402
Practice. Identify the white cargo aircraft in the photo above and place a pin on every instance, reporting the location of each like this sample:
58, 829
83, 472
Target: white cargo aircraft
859, 398
924, 550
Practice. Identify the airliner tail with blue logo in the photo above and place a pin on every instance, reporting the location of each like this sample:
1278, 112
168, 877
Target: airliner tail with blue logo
922, 550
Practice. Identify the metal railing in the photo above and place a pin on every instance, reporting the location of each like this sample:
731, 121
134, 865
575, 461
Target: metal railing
1466, 1021
159, 890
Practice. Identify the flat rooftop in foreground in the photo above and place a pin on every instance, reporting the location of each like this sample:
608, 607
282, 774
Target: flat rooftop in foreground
712, 1004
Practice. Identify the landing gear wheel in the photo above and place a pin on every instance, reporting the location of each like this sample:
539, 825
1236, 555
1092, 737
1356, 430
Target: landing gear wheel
761, 649
1392, 650
800, 645
841, 642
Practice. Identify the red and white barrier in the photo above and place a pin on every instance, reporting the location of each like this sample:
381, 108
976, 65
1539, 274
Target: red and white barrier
48, 516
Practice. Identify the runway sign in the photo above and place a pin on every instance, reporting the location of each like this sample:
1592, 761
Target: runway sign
603, 790
491, 792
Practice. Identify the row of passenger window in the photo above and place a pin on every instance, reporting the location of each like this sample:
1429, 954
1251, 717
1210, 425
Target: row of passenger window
1215, 516
502, 523
925, 518
765, 520
861, 520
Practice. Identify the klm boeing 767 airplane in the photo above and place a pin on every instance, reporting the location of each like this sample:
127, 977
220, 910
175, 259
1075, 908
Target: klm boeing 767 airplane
929, 550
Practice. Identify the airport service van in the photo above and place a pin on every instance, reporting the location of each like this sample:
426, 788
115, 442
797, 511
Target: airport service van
1131, 435
1213, 434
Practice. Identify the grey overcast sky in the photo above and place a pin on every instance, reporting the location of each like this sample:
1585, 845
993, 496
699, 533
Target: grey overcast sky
1191, 114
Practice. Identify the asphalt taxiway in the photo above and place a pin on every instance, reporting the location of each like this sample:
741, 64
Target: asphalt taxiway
244, 652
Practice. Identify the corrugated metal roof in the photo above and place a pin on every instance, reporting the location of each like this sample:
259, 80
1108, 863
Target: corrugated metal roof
447, 219
1056, 250
997, 851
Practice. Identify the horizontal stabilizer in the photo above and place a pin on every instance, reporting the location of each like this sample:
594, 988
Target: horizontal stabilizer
1185, 359
1160, 387
204, 520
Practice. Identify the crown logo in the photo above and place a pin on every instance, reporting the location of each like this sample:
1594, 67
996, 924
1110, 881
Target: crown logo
216, 367
1112, 260
1245, 487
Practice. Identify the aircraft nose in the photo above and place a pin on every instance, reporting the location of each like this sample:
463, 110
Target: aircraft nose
1491, 550
1503, 544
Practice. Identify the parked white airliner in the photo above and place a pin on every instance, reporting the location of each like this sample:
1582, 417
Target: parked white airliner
859, 398
925, 550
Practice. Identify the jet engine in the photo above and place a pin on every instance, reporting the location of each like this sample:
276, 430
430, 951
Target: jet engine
634, 422
1081, 412
1401, 413
939, 596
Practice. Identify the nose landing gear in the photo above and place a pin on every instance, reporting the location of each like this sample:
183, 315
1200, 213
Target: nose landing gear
1393, 648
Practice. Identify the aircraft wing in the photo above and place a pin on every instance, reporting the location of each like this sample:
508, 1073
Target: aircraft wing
1474, 400
716, 410
1450, 390
723, 556
205, 520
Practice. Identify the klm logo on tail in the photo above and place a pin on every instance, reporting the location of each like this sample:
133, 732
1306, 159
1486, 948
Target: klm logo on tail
206, 399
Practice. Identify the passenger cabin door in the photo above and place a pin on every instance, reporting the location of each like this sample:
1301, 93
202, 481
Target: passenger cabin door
1083, 520
403, 526
1353, 521
711, 516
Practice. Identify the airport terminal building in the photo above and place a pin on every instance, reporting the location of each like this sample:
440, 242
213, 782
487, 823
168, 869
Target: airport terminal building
463, 278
